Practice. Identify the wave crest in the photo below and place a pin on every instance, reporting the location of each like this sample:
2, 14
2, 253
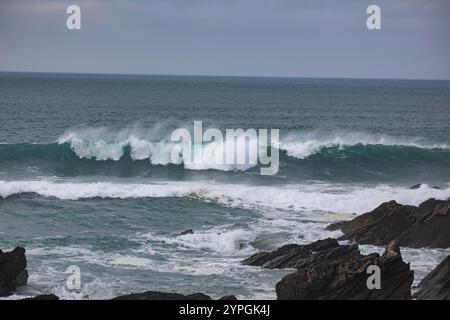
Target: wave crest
303, 145
302, 198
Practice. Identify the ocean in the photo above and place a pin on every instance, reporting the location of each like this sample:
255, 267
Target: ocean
86, 177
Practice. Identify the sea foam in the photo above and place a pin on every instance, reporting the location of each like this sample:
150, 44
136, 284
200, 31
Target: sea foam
291, 197
303, 144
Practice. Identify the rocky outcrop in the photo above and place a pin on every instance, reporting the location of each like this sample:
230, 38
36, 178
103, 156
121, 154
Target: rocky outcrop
328, 270
155, 295
185, 232
417, 186
291, 255
432, 229
229, 298
436, 285
380, 226
13, 271
427, 225
341, 274
43, 297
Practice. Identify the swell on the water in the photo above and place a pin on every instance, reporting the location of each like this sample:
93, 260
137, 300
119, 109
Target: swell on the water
303, 145
296, 197
342, 148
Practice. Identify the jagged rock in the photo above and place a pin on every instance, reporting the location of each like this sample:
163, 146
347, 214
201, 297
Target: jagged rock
342, 274
230, 297
417, 186
379, 226
43, 297
433, 205
425, 226
436, 285
289, 256
155, 295
188, 231
433, 228
13, 271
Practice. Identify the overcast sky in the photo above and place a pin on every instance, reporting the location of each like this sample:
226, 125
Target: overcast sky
299, 38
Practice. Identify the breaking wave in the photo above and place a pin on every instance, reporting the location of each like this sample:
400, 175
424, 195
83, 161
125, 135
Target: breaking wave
305, 198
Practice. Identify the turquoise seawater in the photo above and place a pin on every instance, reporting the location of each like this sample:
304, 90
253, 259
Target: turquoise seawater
86, 177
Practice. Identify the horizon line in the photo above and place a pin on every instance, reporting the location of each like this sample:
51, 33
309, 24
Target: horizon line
222, 76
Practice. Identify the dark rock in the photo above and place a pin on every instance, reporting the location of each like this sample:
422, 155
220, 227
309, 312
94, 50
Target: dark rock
289, 256
380, 226
342, 274
43, 297
155, 295
417, 186
425, 226
432, 230
13, 271
433, 205
188, 231
230, 297
436, 285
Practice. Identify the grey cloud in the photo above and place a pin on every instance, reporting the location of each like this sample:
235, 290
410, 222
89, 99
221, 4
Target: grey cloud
231, 37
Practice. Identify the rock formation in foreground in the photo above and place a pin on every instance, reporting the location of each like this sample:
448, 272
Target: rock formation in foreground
13, 271
155, 295
327, 270
436, 285
43, 297
290, 255
427, 225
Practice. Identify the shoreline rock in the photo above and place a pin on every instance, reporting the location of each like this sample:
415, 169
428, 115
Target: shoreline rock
289, 256
13, 271
337, 272
427, 225
436, 285
185, 232
156, 295
43, 297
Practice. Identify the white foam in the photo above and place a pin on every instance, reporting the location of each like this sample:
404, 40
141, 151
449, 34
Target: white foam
105, 144
101, 144
202, 271
132, 261
304, 198
98, 289
214, 240
301, 145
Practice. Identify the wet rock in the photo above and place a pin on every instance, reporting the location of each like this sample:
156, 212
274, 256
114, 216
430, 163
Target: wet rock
230, 297
13, 271
188, 231
432, 230
155, 295
425, 226
291, 255
342, 274
379, 226
417, 186
436, 285
43, 297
